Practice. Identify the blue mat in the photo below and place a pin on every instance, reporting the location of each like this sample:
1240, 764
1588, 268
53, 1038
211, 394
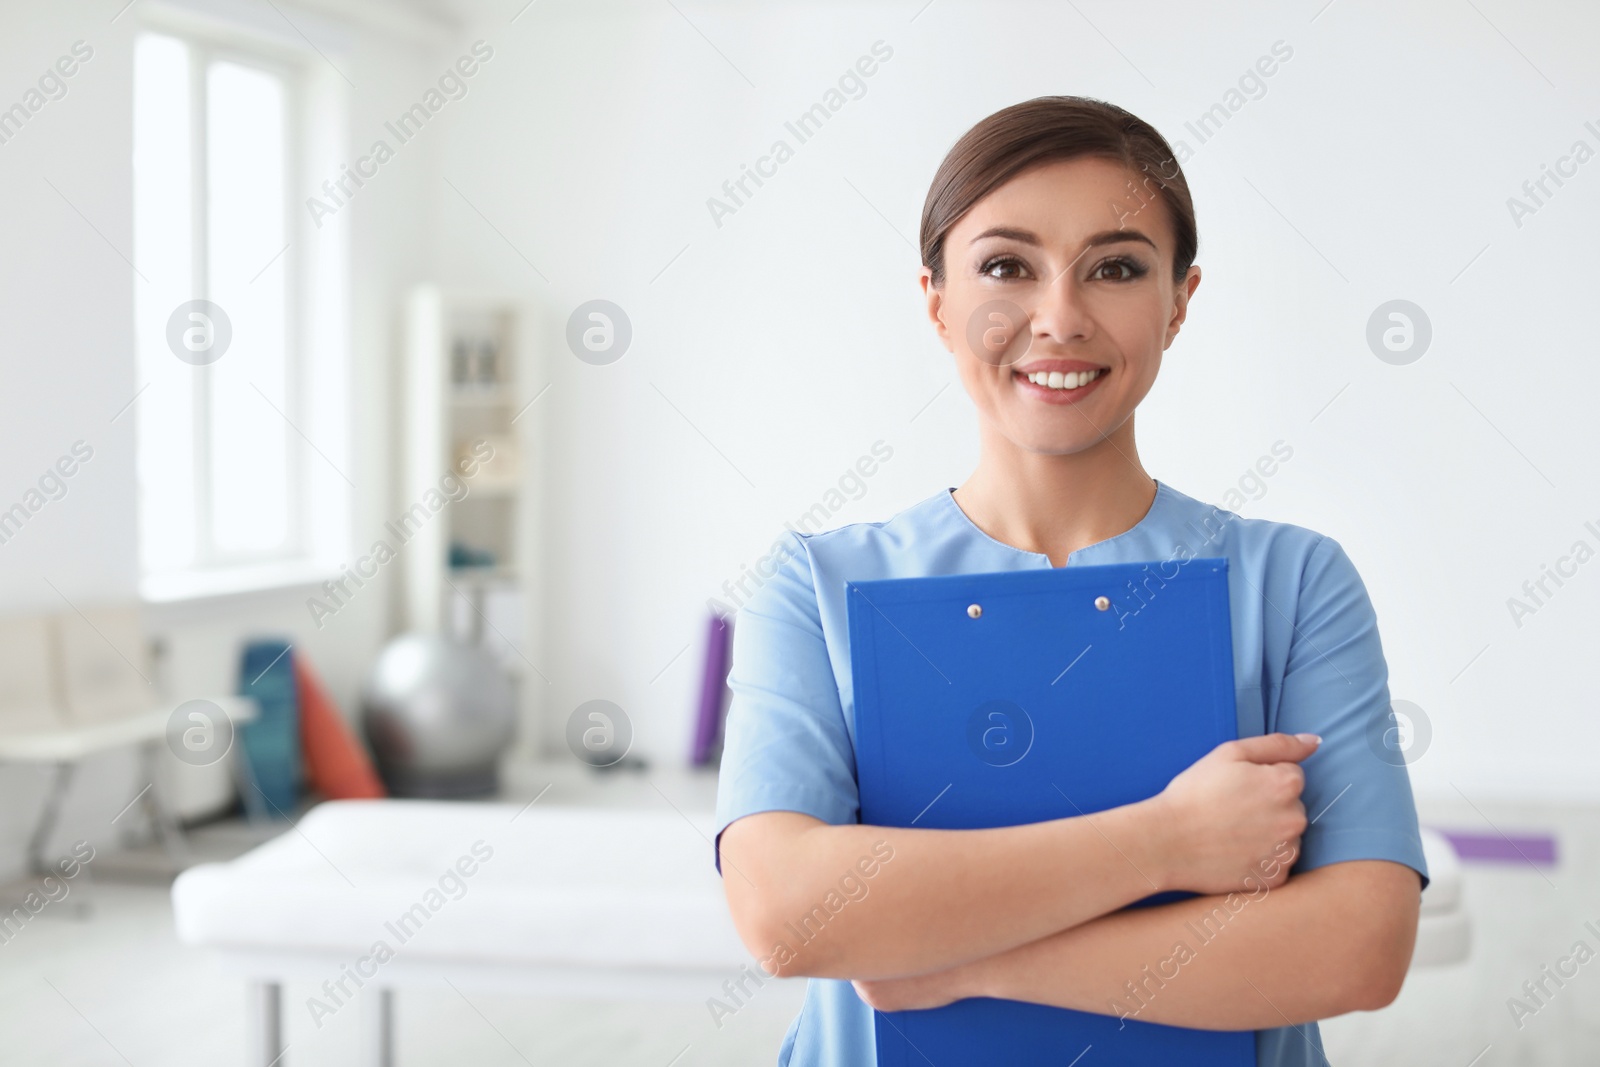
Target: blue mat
271, 742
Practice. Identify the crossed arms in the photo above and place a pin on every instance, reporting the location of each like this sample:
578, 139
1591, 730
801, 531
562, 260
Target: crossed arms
1034, 912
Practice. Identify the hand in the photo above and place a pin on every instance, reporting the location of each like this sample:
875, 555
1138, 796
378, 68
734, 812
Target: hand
1236, 813
932, 990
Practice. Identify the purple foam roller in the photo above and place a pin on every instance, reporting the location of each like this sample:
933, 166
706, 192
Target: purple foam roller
713, 691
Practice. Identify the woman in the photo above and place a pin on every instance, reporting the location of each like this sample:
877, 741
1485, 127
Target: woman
1058, 242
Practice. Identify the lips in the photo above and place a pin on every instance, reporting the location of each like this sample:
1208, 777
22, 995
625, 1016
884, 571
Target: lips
1059, 381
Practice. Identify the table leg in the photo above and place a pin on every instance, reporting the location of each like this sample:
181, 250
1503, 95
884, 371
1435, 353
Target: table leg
377, 1007
266, 1025
164, 821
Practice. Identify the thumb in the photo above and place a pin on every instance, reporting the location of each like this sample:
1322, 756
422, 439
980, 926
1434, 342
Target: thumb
1274, 748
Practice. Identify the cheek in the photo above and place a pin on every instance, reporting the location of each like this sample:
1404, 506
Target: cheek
1137, 330
958, 311
988, 334
981, 380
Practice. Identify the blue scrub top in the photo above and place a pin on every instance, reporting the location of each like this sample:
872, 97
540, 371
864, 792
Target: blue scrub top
1307, 658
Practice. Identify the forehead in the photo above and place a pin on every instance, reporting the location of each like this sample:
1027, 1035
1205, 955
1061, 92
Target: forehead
1067, 200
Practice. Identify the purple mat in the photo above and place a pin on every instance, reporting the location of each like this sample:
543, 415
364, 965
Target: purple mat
1538, 849
713, 691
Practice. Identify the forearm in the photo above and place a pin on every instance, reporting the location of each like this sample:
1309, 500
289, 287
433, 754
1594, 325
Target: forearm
942, 897
1330, 941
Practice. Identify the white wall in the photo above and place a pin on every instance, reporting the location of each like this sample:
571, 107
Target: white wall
1376, 166
779, 347
66, 357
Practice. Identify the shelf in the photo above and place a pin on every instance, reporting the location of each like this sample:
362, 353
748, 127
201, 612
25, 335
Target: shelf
446, 424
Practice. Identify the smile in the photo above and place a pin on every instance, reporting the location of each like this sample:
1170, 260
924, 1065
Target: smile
1067, 381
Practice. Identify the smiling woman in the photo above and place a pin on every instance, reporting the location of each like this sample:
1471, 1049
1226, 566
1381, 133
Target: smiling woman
1058, 247
1071, 312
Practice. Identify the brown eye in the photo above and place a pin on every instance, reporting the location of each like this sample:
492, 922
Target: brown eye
1127, 269
1002, 268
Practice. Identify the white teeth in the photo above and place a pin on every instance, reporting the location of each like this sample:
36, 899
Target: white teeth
1058, 380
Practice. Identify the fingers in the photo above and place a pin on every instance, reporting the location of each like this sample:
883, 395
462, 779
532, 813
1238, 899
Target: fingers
1291, 778
1273, 870
1293, 856
1295, 822
1271, 748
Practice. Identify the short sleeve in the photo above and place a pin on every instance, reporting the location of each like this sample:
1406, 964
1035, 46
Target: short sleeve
785, 743
1336, 684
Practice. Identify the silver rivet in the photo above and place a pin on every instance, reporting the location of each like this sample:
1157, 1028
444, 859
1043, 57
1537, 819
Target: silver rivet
974, 610
1102, 603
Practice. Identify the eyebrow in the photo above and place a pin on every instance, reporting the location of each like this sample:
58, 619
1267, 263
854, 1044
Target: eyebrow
1028, 237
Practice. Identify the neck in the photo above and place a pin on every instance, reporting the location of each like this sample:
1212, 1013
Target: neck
1057, 504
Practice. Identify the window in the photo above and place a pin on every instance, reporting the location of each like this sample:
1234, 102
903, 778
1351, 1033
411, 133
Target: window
224, 456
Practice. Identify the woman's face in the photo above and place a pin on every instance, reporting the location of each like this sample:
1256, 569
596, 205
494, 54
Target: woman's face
1058, 302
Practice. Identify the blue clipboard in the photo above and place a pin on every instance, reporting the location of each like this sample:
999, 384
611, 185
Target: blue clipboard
987, 700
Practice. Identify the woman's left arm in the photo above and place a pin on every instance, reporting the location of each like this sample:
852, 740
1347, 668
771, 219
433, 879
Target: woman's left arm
1328, 941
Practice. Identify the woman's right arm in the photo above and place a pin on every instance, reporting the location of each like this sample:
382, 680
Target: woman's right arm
804, 903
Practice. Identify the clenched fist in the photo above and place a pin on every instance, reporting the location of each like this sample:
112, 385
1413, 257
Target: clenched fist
1235, 814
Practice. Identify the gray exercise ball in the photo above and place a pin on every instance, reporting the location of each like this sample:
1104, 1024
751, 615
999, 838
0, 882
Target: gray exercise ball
438, 715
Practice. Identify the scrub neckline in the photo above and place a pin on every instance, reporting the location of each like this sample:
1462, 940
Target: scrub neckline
1162, 495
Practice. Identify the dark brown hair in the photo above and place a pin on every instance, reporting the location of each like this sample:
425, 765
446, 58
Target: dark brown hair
1043, 130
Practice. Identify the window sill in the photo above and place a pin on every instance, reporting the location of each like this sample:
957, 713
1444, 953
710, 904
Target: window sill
181, 587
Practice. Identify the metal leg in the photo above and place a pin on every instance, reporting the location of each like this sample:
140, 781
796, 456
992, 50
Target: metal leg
161, 817
266, 1025
377, 1007
40, 840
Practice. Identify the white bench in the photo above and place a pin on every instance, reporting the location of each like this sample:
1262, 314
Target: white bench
613, 903
77, 684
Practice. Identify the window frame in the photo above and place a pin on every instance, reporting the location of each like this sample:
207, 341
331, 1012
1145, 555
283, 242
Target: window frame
306, 554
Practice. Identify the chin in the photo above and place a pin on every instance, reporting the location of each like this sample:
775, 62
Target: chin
1044, 443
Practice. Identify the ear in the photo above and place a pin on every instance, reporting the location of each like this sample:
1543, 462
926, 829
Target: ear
1180, 305
935, 299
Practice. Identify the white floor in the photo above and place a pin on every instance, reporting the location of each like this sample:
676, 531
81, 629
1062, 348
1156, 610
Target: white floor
117, 989
114, 987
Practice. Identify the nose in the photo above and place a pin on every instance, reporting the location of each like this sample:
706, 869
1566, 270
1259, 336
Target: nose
1061, 314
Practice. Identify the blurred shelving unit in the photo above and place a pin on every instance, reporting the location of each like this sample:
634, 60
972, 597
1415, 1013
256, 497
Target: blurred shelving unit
471, 373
